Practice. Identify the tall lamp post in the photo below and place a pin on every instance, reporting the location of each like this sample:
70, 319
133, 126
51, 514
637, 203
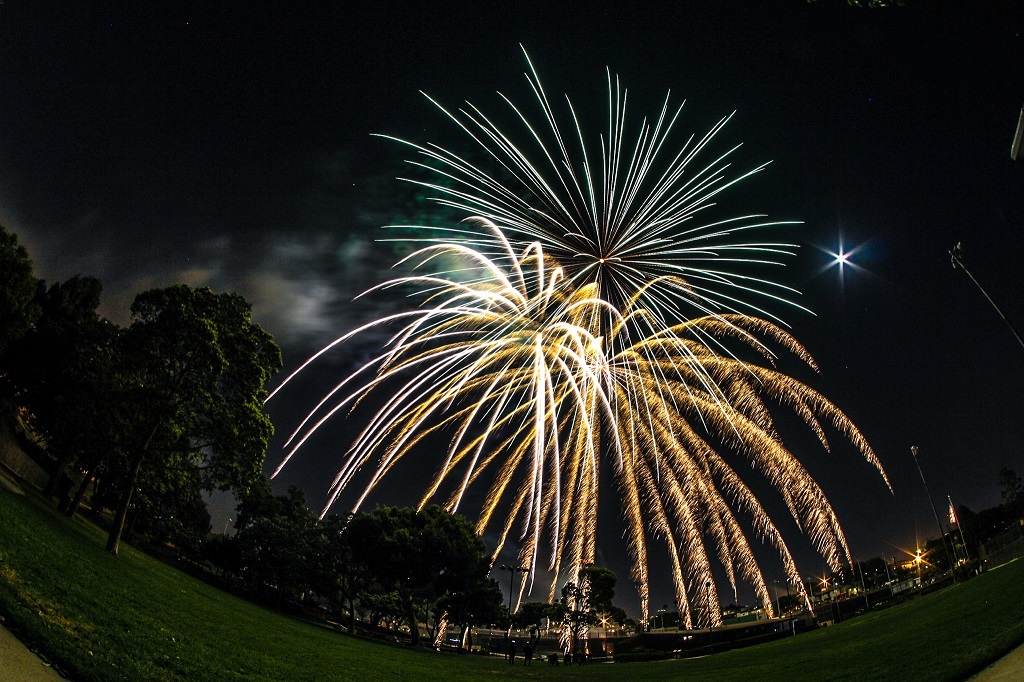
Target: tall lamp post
711, 618
957, 256
938, 524
511, 588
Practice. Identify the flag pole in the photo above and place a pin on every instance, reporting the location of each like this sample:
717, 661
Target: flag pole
956, 521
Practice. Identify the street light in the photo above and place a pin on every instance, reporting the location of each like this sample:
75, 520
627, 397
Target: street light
938, 524
511, 588
956, 254
711, 618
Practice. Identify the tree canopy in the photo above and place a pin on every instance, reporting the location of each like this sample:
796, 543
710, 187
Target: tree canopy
61, 369
193, 368
18, 309
430, 559
584, 600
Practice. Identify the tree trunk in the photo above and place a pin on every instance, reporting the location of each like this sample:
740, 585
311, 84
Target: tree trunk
414, 627
51, 486
79, 496
114, 539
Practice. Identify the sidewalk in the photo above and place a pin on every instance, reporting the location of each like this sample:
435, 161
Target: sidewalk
1009, 668
18, 663
8, 482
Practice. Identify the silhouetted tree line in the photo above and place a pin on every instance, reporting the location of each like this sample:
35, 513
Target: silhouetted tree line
388, 567
148, 416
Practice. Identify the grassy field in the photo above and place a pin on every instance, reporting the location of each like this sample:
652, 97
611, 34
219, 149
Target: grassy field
99, 617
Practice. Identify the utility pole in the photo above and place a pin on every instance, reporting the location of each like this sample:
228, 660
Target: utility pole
511, 588
938, 524
957, 256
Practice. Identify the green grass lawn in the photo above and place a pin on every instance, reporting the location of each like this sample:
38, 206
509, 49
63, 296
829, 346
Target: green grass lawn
99, 617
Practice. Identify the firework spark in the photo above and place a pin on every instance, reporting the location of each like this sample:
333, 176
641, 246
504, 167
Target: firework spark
502, 360
588, 319
623, 212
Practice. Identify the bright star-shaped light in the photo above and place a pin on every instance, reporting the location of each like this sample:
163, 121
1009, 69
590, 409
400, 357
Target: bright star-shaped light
841, 259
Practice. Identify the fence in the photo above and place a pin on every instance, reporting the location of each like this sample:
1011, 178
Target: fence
22, 465
1007, 545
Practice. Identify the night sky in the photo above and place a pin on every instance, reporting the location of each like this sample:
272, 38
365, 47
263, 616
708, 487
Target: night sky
232, 147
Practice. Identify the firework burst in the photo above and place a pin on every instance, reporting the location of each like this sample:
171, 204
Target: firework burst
589, 313
502, 360
624, 211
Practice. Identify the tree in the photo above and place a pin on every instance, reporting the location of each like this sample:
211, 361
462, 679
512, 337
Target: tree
171, 510
477, 603
194, 366
61, 368
276, 539
335, 576
428, 558
531, 614
18, 309
1011, 490
583, 599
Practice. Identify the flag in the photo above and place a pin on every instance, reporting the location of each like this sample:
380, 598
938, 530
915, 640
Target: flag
952, 513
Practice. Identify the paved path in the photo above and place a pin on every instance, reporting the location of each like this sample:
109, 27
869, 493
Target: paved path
8, 482
18, 664
1009, 668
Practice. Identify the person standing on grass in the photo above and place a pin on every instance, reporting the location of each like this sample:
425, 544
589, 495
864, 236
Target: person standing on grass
528, 653
512, 652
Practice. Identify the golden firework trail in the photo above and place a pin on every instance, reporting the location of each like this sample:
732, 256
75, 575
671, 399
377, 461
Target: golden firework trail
502, 361
590, 319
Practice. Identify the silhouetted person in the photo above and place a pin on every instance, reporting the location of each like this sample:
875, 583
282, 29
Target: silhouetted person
553, 658
528, 653
512, 652
568, 658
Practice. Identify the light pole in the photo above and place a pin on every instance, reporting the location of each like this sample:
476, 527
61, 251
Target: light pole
938, 524
711, 618
863, 586
511, 588
778, 607
957, 256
